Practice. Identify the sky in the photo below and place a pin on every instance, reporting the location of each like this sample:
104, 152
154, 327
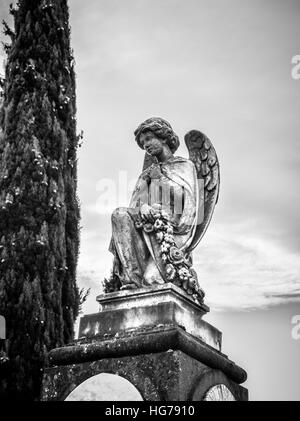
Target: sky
223, 68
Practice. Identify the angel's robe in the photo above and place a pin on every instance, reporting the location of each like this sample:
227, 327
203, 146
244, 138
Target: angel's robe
137, 256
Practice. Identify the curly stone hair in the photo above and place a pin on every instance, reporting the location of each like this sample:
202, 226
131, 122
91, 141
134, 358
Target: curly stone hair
161, 128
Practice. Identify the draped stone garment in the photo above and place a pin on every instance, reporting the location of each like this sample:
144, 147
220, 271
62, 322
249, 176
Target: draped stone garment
172, 185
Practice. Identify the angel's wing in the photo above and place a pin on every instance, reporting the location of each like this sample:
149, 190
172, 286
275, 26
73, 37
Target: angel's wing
203, 155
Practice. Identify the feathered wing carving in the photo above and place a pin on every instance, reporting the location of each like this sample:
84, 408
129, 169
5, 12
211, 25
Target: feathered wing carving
203, 155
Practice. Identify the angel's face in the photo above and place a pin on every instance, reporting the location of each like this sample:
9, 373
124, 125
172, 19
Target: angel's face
152, 144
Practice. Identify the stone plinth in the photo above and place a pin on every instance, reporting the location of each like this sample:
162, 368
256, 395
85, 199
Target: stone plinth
155, 338
150, 296
149, 307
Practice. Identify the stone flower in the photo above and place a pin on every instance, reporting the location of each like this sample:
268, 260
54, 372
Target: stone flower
139, 225
158, 225
169, 229
160, 236
164, 247
165, 215
148, 228
184, 274
169, 238
193, 284
156, 206
171, 272
164, 257
175, 255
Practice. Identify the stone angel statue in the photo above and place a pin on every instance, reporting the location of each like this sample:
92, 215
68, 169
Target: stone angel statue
169, 212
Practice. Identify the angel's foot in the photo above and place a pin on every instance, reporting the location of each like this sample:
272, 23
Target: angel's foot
128, 286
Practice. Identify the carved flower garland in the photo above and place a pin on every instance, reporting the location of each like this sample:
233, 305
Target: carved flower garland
178, 266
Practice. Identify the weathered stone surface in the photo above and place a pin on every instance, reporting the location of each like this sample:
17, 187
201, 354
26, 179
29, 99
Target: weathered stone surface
156, 339
159, 339
165, 376
146, 296
146, 308
117, 321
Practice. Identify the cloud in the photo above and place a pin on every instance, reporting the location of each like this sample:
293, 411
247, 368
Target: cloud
241, 269
238, 268
284, 296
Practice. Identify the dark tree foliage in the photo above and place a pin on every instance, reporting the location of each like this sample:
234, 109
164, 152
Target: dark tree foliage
39, 209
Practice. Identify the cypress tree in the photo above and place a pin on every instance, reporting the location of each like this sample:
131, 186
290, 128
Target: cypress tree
39, 209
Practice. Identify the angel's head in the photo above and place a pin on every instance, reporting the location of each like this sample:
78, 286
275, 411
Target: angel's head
153, 131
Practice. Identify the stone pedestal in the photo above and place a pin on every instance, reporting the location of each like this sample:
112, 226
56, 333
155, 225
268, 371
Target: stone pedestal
155, 338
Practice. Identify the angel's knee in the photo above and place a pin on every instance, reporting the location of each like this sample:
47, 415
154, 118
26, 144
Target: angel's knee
119, 214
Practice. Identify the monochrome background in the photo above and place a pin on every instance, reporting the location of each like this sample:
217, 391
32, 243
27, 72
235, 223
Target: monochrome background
225, 68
